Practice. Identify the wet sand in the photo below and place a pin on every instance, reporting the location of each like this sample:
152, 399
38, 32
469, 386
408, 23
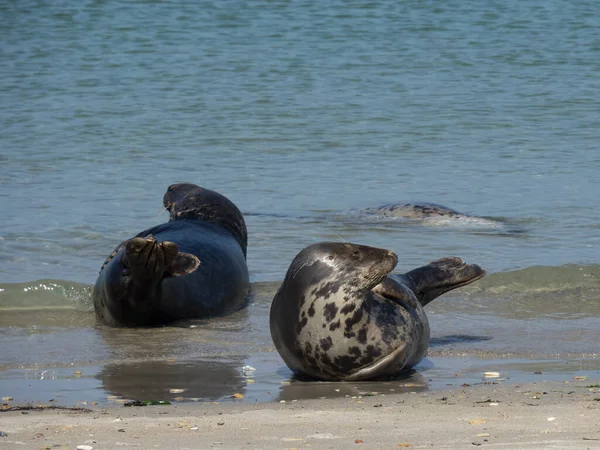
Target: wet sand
541, 415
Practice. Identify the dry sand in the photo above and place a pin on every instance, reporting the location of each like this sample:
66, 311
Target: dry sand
542, 415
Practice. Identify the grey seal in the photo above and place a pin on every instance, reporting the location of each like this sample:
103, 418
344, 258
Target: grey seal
193, 266
339, 315
428, 214
414, 211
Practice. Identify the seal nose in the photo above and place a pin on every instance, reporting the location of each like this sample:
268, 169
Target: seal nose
393, 257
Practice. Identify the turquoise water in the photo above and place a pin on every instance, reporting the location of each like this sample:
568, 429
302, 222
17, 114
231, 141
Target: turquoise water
304, 113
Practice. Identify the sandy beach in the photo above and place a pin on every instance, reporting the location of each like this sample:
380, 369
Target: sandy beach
541, 415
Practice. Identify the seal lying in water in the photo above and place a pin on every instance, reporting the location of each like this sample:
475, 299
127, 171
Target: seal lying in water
428, 214
193, 266
339, 316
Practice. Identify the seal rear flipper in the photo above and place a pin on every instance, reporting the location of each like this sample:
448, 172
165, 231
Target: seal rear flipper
382, 367
149, 260
445, 274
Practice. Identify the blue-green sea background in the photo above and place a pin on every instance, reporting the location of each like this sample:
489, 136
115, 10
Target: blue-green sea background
301, 112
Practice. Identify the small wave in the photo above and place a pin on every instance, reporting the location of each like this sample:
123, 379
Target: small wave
462, 221
567, 291
46, 293
542, 279
563, 292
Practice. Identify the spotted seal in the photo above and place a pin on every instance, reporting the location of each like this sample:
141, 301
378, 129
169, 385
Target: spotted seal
428, 214
339, 315
413, 211
193, 266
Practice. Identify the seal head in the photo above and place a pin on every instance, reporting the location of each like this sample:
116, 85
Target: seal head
336, 264
189, 201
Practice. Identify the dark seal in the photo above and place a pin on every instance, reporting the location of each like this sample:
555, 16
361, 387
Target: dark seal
339, 316
193, 266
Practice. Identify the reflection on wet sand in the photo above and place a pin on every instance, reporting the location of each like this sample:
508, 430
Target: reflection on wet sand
151, 362
207, 380
452, 339
216, 337
410, 381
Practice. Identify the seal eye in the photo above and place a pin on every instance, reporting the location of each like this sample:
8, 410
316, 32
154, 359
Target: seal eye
125, 272
355, 254
330, 257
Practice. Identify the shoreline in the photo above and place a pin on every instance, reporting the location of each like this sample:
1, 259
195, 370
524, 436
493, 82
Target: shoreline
545, 414
217, 379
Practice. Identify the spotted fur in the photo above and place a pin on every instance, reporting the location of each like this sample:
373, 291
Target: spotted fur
354, 320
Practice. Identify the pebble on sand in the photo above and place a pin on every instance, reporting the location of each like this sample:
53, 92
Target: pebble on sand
477, 421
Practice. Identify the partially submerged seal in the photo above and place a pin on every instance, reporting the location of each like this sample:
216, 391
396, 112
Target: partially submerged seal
339, 316
413, 211
428, 214
193, 266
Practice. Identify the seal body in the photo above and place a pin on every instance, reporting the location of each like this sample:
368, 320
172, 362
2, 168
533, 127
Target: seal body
193, 266
338, 315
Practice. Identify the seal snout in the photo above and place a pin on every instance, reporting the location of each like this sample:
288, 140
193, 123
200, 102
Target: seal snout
389, 261
393, 257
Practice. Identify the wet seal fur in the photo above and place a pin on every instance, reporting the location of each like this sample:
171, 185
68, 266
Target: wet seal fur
429, 214
339, 315
414, 211
193, 266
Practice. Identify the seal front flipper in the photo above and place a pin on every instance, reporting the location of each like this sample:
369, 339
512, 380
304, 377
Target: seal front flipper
434, 279
395, 291
148, 260
183, 264
384, 365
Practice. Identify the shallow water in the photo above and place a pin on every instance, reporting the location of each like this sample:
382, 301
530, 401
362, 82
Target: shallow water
473, 331
304, 114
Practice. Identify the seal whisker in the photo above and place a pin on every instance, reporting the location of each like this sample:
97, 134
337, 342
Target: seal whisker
159, 213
